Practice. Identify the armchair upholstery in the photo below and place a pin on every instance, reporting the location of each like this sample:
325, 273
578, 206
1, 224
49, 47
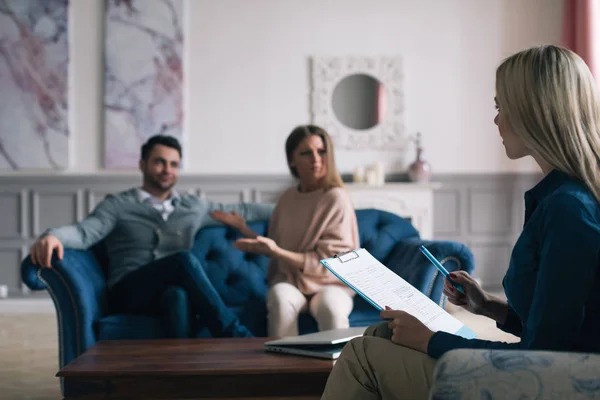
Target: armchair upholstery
516, 374
77, 283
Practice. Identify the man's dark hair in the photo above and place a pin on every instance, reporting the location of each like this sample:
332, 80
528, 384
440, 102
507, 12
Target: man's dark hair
164, 140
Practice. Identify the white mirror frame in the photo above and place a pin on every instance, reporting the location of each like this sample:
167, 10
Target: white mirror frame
328, 71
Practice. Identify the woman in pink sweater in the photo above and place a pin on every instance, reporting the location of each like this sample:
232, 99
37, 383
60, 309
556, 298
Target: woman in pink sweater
313, 220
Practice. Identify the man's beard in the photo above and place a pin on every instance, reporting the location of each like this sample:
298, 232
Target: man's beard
155, 183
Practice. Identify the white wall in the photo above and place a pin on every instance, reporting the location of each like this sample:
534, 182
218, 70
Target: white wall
248, 83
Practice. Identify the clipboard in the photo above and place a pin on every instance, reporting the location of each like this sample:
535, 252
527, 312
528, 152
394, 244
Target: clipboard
381, 287
342, 258
347, 256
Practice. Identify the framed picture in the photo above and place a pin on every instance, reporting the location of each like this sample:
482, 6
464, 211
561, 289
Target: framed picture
34, 75
143, 75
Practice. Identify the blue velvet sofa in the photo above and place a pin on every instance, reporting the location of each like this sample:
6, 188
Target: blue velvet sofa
77, 283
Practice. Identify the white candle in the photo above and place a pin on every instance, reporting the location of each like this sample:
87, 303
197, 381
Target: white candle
378, 168
371, 176
359, 175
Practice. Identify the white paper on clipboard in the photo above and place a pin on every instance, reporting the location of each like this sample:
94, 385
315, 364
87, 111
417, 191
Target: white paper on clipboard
381, 287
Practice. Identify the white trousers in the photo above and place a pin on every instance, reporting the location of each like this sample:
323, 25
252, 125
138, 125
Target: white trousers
330, 307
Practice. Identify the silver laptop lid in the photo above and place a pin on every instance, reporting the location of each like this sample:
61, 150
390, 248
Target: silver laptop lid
325, 337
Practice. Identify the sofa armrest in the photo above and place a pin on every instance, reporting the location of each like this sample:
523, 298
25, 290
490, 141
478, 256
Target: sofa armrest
516, 374
77, 287
407, 261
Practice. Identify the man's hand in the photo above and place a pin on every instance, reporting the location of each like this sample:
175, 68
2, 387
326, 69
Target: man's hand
232, 219
408, 330
41, 251
260, 245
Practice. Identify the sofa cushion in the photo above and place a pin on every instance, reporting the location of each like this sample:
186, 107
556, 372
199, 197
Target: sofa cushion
128, 326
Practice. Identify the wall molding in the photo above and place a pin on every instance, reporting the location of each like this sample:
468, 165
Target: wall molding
498, 203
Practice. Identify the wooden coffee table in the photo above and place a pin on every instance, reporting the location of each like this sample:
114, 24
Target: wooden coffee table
196, 368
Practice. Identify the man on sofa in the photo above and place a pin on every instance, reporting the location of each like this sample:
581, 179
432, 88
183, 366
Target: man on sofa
148, 233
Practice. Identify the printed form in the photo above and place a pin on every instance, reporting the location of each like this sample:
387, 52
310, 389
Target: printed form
382, 287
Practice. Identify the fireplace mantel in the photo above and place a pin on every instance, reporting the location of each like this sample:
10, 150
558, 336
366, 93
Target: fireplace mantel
409, 200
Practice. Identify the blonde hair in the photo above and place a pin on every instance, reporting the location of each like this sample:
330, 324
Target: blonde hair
332, 177
548, 98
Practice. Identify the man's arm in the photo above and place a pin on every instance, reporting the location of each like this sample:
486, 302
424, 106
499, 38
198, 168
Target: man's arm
93, 228
248, 211
236, 221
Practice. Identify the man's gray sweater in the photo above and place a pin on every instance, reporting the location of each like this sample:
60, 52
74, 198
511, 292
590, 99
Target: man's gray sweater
135, 232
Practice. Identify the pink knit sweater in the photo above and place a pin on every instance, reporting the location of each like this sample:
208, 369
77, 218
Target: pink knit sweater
319, 224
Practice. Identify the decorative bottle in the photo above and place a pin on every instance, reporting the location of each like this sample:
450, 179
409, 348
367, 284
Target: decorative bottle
419, 170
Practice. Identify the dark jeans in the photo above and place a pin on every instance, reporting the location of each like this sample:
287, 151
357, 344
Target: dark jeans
143, 291
173, 310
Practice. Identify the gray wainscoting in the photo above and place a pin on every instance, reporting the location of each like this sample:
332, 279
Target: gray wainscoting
483, 211
486, 213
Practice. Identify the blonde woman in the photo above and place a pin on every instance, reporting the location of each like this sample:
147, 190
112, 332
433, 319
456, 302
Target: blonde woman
549, 109
313, 220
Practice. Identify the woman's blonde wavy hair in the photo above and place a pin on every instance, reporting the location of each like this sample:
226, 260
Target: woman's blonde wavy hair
548, 98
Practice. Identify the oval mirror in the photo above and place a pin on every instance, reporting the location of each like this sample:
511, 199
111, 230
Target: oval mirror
359, 101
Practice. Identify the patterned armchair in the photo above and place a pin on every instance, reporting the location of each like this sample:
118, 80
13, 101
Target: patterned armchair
516, 374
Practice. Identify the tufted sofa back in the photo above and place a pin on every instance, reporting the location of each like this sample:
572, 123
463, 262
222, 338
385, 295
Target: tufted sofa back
238, 277
241, 277
380, 231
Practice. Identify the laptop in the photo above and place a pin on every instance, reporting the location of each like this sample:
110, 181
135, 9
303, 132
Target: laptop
325, 344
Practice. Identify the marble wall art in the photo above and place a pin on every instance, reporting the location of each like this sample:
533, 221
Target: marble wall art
143, 75
34, 58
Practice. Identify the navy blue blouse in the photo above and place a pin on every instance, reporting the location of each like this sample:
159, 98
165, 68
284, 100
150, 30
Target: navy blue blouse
552, 283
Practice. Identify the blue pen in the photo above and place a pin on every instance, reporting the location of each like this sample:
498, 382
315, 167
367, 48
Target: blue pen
439, 266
